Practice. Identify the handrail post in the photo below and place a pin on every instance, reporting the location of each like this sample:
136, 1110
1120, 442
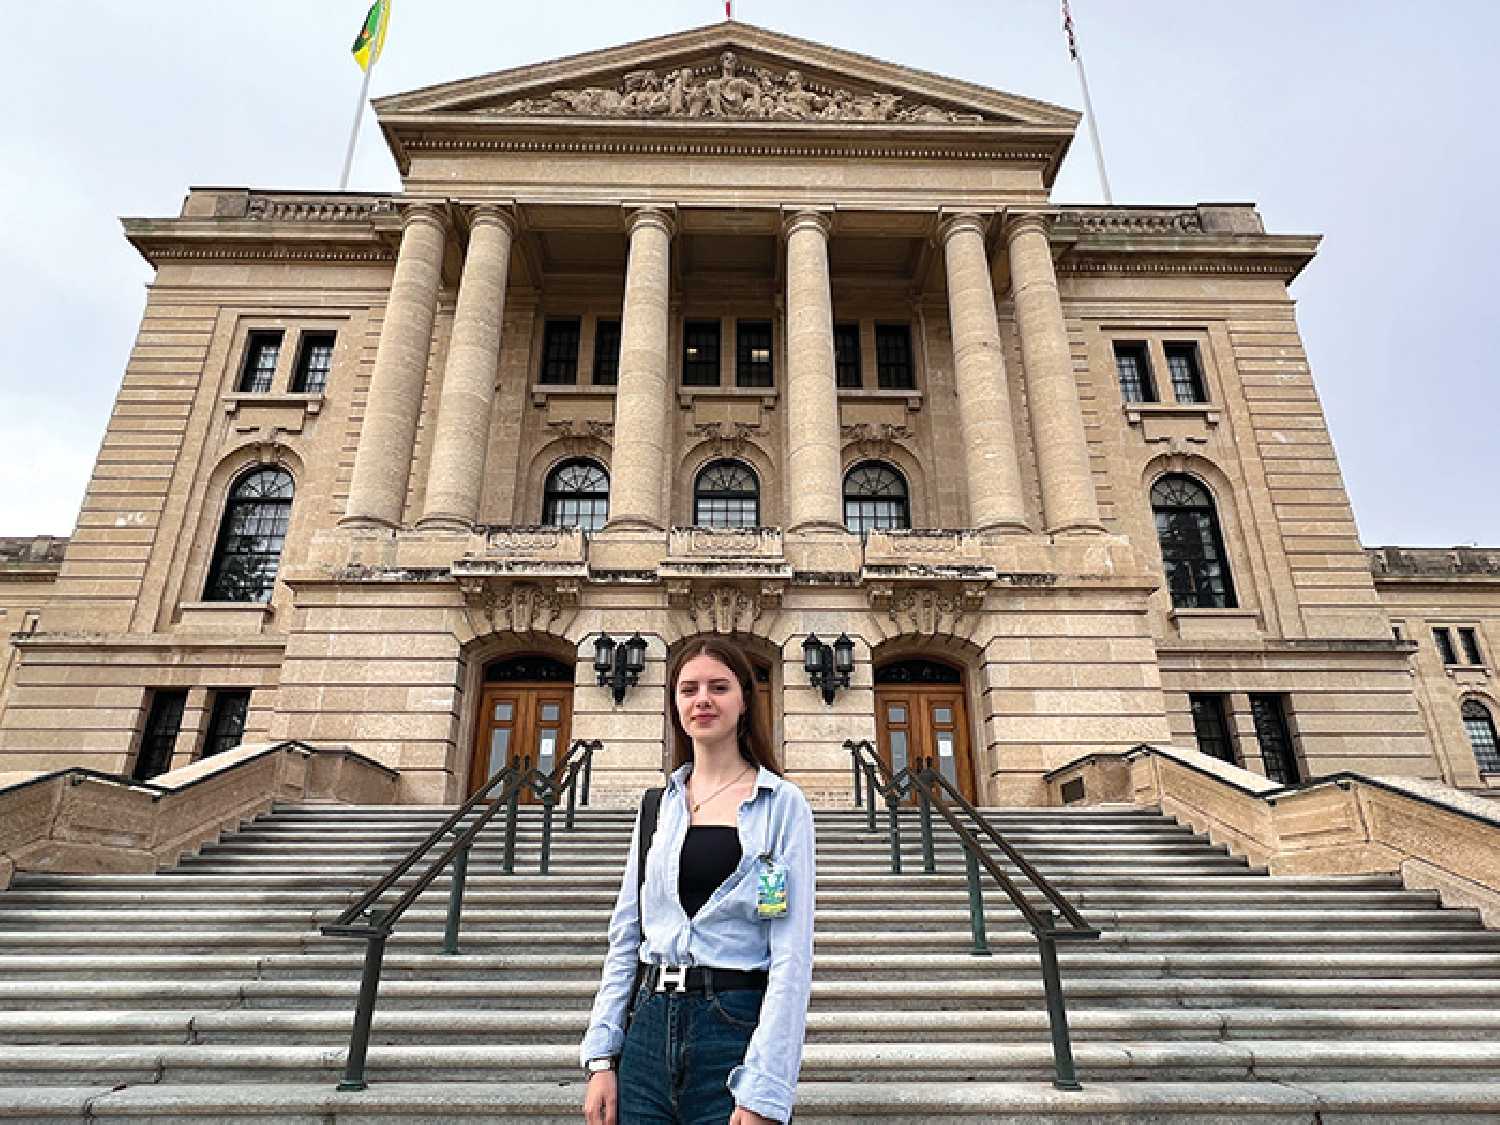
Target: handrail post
512, 812
456, 888
929, 855
850, 745
588, 768
549, 801
364, 1012
1057, 1012
572, 794
976, 906
870, 790
892, 804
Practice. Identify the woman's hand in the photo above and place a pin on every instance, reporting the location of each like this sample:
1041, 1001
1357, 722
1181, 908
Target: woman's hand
743, 1116
601, 1105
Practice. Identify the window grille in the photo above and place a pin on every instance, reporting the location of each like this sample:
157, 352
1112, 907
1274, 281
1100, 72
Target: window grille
1192, 546
1444, 639
1470, 641
314, 363
262, 350
560, 353
1275, 739
753, 366
1186, 373
226, 725
251, 537
700, 353
893, 362
1133, 367
727, 494
1209, 727
577, 495
875, 497
1480, 728
159, 739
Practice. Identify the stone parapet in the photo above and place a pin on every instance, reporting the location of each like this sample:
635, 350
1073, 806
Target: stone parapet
1389, 564
81, 822
1433, 836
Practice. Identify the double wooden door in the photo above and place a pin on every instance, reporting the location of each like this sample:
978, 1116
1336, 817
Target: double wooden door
520, 721
914, 722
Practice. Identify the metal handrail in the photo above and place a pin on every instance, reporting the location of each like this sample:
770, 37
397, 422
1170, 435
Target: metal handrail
928, 784
374, 926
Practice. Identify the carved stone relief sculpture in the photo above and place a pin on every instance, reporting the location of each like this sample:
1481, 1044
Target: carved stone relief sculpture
733, 92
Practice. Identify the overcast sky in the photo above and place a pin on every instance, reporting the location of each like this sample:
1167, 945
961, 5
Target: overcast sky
1371, 123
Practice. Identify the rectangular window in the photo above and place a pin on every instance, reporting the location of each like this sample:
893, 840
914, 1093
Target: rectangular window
1470, 641
846, 355
314, 362
1396, 631
752, 354
606, 353
1186, 372
1133, 366
1209, 727
1275, 738
560, 353
163, 722
893, 365
700, 353
1444, 639
226, 725
262, 350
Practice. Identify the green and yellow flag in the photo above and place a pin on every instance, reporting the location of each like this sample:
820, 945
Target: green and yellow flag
371, 38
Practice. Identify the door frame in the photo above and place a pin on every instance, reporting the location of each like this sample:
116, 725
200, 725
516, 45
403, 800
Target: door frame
965, 764
479, 750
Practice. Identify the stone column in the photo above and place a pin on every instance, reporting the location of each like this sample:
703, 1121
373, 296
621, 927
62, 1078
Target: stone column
644, 394
1068, 501
382, 464
814, 470
996, 499
456, 476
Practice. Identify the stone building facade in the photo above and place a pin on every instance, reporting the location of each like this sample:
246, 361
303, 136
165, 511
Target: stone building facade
723, 332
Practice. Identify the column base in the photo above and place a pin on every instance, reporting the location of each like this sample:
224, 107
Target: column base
1077, 529
444, 523
818, 527
1005, 527
367, 523
630, 523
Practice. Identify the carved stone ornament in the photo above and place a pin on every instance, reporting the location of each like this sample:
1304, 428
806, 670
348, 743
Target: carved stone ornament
578, 435
730, 92
728, 438
518, 607
928, 609
723, 608
877, 440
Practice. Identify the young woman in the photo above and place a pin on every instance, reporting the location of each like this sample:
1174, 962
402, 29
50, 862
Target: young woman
721, 975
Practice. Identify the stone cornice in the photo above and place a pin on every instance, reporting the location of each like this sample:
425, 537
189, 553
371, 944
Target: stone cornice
303, 235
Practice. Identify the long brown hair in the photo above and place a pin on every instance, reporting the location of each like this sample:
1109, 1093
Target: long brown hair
754, 743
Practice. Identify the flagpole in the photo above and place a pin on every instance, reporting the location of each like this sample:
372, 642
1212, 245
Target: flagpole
359, 113
1088, 102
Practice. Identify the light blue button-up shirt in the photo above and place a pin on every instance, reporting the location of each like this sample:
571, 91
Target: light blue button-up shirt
725, 934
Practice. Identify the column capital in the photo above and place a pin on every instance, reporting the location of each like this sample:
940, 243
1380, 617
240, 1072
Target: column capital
1027, 221
951, 222
494, 214
801, 218
650, 215
433, 211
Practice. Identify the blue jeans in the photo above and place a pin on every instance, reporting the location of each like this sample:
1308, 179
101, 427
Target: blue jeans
679, 1050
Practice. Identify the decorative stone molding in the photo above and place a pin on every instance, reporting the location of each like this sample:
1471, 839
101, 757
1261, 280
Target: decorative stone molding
517, 607
708, 149
877, 439
726, 439
316, 208
723, 607
729, 92
1135, 221
927, 609
1285, 268
268, 253
708, 543
576, 430
556, 553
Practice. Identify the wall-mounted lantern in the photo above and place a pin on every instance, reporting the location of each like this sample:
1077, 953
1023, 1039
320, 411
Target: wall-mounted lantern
618, 665
828, 666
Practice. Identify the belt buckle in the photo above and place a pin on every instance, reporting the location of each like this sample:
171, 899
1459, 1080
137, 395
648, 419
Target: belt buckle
676, 975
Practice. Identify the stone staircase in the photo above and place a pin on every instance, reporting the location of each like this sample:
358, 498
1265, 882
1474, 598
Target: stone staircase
1217, 993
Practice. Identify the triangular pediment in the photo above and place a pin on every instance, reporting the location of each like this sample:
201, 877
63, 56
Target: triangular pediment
725, 73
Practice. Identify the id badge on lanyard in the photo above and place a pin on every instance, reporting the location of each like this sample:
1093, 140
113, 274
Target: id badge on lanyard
770, 888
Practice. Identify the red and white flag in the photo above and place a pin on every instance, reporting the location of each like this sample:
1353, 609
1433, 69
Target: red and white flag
729, 9
1068, 27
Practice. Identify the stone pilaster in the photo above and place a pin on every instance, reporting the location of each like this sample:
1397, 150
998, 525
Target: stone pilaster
644, 393
382, 464
456, 477
996, 499
814, 469
1068, 500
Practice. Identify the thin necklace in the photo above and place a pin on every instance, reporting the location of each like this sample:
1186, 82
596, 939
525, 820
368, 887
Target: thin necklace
720, 789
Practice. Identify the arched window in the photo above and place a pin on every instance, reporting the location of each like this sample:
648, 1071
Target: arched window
1192, 547
251, 537
1481, 731
726, 494
577, 495
875, 497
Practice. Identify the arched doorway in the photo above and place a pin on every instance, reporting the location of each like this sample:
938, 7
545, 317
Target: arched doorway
921, 712
525, 710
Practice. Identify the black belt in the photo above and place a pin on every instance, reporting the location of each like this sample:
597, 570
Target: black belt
696, 978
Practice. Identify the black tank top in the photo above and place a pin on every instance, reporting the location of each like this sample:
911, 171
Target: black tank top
710, 853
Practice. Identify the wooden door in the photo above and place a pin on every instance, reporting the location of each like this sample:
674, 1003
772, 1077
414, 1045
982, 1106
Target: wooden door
914, 722
520, 720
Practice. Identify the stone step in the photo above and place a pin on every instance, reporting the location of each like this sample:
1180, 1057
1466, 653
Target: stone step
819, 1102
331, 1027
930, 970
1305, 1060
954, 995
